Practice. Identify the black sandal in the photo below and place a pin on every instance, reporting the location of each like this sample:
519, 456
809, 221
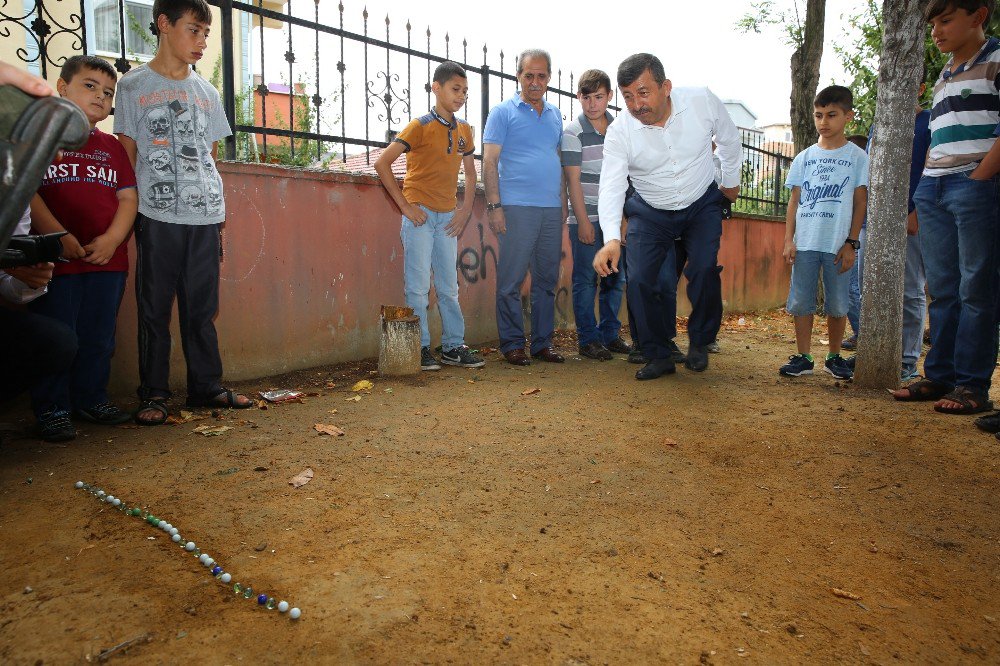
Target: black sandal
923, 390
971, 401
154, 404
989, 423
224, 399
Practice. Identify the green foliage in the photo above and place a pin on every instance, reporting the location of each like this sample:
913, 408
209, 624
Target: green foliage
860, 59
764, 13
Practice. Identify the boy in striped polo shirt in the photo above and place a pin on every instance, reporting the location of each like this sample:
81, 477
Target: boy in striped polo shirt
958, 205
582, 154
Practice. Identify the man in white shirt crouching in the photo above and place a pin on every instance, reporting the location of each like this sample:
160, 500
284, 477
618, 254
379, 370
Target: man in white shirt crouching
664, 146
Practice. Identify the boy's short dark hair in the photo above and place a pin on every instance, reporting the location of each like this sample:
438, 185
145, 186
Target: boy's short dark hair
838, 95
859, 140
73, 66
593, 80
938, 7
448, 70
633, 66
174, 9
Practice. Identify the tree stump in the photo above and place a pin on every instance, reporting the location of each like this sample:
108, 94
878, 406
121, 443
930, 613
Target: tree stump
399, 345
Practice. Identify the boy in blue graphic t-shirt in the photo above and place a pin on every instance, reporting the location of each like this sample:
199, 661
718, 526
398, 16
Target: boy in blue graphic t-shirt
829, 183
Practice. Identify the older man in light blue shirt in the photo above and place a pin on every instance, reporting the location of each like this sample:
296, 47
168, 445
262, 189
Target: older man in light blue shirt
522, 175
664, 145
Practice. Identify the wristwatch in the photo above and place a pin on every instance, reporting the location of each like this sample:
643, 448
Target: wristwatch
493, 206
856, 244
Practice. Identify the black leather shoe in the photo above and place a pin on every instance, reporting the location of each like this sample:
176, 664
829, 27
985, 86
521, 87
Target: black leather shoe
636, 355
656, 368
618, 346
549, 355
675, 352
697, 358
596, 351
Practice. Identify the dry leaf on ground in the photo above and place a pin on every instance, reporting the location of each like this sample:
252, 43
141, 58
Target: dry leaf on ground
302, 478
531, 391
670, 442
211, 431
186, 416
353, 398
363, 385
326, 429
844, 594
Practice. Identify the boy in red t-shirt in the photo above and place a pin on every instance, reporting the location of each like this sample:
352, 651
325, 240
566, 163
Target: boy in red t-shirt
91, 194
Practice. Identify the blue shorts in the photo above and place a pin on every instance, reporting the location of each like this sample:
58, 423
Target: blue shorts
805, 282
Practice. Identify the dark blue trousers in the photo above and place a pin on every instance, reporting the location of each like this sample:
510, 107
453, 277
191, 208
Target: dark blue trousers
651, 236
88, 304
33, 348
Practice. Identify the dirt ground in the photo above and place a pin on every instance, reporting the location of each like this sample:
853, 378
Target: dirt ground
696, 518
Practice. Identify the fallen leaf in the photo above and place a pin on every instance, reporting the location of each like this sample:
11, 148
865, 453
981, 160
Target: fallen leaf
302, 478
844, 594
325, 429
669, 442
388, 390
363, 385
186, 416
353, 398
329, 385
260, 468
531, 391
595, 481
332, 411
212, 431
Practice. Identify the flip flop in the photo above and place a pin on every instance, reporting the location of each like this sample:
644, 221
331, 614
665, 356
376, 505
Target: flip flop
923, 390
224, 399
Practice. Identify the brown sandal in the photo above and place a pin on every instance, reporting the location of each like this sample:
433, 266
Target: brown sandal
970, 400
923, 390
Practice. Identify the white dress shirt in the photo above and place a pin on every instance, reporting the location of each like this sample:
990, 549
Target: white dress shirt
12, 289
670, 166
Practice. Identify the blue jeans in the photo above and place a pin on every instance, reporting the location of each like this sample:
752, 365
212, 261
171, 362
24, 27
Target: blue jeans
914, 302
586, 283
428, 248
88, 304
857, 277
533, 242
805, 281
960, 240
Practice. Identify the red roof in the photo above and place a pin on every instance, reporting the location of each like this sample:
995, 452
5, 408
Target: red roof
365, 164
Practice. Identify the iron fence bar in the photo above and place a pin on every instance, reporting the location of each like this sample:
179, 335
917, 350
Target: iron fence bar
290, 57
368, 156
409, 77
427, 86
484, 110
262, 88
228, 77
317, 100
341, 67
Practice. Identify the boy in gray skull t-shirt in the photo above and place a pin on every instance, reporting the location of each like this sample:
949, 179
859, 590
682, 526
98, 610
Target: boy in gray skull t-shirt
169, 119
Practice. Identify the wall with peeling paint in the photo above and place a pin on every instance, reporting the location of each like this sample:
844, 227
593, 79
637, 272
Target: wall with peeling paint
309, 256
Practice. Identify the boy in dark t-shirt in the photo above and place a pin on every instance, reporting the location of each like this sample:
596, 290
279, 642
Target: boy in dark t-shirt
89, 193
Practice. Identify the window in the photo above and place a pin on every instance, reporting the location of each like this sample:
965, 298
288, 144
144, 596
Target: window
138, 14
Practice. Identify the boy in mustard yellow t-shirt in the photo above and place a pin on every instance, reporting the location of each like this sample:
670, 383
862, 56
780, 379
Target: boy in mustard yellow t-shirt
436, 145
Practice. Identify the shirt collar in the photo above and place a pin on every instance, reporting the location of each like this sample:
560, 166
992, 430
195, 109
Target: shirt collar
990, 42
516, 100
589, 126
678, 106
440, 119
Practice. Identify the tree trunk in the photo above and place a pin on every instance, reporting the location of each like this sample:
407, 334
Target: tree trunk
880, 345
399, 345
805, 75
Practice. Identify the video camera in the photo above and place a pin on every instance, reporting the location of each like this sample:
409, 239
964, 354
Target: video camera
31, 250
32, 131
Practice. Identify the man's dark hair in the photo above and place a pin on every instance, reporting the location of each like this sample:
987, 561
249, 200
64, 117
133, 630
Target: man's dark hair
838, 95
593, 80
530, 54
73, 66
174, 9
938, 7
633, 66
448, 70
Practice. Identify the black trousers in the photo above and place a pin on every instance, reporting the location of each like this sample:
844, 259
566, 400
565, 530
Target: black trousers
177, 261
32, 347
651, 244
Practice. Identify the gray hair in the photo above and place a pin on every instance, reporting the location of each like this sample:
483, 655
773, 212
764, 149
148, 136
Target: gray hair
529, 54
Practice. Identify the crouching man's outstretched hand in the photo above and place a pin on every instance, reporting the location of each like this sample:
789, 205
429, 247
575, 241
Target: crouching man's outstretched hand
606, 259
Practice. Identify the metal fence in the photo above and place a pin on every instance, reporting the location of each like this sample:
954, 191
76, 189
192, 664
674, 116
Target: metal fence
348, 90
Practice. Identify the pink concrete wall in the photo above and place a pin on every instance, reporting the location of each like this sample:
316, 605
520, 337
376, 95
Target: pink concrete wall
309, 256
